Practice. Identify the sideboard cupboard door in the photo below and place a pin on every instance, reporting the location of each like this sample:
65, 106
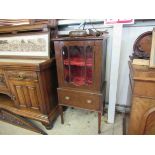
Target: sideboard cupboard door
26, 94
147, 125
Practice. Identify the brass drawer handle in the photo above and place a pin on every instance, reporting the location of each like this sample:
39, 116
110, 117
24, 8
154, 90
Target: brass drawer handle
89, 101
20, 77
67, 97
13, 98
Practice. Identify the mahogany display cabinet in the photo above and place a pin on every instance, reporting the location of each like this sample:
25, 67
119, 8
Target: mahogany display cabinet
81, 65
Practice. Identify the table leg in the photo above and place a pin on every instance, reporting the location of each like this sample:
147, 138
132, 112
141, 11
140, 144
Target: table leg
61, 113
99, 122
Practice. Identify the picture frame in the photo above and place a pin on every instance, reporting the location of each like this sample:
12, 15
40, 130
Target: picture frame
36, 44
152, 54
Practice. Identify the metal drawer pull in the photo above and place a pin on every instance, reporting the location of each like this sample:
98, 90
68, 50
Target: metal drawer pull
67, 97
13, 98
20, 77
89, 101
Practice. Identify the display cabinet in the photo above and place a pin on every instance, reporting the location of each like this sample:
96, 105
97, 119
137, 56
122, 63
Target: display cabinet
81, 73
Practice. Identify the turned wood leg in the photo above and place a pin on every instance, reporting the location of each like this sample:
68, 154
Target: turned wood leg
47, 126
61, 114
99, 122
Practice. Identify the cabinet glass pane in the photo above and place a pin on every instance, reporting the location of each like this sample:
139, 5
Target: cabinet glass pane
78, 65
66, 66
89, 65
77, 75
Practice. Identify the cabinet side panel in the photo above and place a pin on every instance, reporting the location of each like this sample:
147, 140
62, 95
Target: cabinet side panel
48, 87
98, 64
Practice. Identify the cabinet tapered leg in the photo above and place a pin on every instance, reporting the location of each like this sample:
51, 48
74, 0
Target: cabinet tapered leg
61, 114
99, 122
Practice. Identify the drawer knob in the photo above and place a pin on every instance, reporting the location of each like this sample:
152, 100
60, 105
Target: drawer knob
67, 97
89, 101
13, 98
20, 77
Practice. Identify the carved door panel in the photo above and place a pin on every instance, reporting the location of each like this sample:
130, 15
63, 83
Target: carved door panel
148, 122
26, 94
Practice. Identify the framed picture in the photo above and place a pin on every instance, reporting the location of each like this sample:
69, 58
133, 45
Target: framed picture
152, 55
27, 45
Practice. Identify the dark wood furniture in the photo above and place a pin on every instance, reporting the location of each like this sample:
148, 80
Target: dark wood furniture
31, 84
142, 115
81, 73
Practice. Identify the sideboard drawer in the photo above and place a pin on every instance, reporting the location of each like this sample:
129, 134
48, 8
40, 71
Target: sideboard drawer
80, 99
144, 89
22, 75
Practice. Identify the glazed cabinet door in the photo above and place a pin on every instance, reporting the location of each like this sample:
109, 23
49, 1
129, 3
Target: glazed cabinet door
79, 64
26, 94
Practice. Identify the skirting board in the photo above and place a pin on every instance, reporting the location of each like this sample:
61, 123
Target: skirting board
120, 108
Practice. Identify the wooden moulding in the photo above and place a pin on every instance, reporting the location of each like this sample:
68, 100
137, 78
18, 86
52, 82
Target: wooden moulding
141, 72
21, 28
143, 42
52, 23
11, 118
79, 38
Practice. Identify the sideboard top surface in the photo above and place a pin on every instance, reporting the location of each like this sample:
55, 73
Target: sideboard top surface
78, 38
28, 64
142, 72
33, 61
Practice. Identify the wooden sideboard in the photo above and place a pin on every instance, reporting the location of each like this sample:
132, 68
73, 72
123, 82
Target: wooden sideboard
31, 86
142, 115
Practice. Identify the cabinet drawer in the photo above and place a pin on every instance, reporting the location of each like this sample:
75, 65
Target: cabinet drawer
79, 99
144, 89
22, 75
